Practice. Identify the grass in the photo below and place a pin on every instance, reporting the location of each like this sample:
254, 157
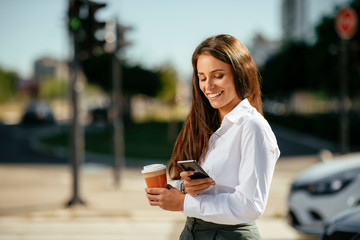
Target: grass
142, 141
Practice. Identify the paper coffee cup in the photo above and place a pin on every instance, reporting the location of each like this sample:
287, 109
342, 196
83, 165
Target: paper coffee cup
155, 175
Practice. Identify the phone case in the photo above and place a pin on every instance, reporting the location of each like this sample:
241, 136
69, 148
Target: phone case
192, 165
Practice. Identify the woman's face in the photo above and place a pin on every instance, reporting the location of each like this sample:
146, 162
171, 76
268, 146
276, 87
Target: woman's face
216, 81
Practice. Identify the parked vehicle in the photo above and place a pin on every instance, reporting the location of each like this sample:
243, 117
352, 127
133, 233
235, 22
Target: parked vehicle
37, 113
322, 191
99, 115
344, 225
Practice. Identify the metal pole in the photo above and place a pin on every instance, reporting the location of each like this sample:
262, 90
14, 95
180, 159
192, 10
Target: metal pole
117, 114
76, 133
344, 118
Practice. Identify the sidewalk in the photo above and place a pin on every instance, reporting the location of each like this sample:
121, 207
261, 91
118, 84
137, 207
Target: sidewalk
33, 198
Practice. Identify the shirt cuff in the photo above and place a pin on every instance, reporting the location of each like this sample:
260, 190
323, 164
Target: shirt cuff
177, 185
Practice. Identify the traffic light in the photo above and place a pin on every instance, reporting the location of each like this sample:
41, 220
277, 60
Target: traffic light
88, 32
115, 36
74, 15
95, 30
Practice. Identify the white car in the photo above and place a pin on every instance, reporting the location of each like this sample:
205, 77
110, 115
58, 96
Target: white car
320, 192
344, 225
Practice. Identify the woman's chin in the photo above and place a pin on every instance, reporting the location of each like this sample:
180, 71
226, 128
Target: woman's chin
214, 105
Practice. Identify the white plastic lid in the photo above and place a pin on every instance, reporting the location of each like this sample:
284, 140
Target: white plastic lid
153, 168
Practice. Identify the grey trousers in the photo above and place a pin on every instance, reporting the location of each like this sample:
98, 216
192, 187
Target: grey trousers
197, 229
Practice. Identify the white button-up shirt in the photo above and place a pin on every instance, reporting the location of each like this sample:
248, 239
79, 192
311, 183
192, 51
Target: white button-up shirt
241, 159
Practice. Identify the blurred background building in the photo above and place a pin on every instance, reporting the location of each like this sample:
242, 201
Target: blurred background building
51, 67
294, 20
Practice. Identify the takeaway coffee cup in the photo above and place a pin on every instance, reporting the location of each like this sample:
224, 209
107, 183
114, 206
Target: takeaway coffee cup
155, 175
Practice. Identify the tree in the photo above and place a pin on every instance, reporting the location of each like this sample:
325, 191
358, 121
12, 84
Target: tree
286, 72
169, 78
135, 79
324, 57
7, 85
298, 66
53, 88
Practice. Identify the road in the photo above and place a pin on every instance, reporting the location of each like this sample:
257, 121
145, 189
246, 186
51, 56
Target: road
15, 145
33, 195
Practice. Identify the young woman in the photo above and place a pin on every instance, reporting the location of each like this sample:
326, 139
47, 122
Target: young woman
228, 136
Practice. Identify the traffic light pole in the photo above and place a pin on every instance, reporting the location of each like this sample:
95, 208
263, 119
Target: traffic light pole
76, 133
84, 26
117, 106
117, 120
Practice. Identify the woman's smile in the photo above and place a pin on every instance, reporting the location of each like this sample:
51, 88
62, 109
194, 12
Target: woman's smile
214, 95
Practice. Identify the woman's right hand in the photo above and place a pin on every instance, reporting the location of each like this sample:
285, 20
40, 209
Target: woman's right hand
195, 186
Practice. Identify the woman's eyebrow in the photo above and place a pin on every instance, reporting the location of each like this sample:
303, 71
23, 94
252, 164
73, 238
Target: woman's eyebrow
216, 70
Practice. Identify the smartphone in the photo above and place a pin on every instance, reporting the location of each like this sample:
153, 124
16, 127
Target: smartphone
192, 165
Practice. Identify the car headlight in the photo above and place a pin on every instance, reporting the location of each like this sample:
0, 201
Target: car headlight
329, 185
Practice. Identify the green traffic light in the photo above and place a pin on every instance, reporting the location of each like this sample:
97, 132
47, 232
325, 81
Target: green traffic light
75, 24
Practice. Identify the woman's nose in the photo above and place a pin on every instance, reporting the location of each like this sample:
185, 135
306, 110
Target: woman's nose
209, 84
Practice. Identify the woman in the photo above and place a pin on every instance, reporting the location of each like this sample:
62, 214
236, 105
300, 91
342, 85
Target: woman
227, 134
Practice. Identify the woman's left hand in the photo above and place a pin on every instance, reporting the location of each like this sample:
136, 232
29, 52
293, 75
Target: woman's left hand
169, 198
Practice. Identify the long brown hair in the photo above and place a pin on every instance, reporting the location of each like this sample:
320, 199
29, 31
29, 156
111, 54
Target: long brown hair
203, 120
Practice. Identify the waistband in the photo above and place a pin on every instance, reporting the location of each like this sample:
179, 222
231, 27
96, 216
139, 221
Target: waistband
201, 224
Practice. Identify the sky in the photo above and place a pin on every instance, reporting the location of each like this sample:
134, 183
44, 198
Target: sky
162, 30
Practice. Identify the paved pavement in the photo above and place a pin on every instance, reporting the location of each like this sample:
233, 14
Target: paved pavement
33, 198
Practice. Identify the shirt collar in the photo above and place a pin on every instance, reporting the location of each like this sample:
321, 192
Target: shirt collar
235, 114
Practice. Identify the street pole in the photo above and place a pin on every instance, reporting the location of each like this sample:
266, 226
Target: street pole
344, 111
76, 132
117, 113
345, 26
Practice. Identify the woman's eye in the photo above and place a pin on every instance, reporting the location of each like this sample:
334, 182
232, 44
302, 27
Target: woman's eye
219, 76
202, 79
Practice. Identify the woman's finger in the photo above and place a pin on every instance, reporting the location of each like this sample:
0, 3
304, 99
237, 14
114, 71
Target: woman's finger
199, 182
154, 191
153, 202
152, 197
186, 174
198, 186
196, 189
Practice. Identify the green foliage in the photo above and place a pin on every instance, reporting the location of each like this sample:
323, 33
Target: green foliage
286, 71
7, 85
92, 89
169, 77
53, 88
135, 79
298, 66
138, 80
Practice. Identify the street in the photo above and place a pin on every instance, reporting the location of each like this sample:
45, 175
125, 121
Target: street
33, 199
34, 194
16, 145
